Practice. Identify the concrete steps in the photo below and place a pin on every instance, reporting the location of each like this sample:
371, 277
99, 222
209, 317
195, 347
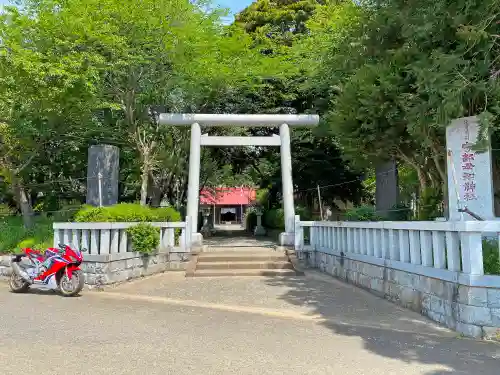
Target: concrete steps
268, 265
255, 262
228, 256
243, 272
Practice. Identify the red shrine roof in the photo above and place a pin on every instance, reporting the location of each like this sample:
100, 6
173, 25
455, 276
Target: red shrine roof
229, 196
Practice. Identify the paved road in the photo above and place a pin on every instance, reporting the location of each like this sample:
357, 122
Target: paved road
168, 324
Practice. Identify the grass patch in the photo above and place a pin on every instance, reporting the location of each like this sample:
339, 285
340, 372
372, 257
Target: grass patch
14, 237
491, 258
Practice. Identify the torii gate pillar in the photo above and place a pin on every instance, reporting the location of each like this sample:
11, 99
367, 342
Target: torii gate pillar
284, 122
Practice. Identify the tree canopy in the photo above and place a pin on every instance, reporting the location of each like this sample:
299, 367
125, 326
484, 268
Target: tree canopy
386, 77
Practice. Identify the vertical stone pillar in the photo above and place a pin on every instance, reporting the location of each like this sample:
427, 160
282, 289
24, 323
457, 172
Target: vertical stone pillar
194, 180
104, 160
470, 182
287, 238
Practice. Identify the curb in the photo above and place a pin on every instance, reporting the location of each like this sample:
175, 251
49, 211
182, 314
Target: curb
290, 254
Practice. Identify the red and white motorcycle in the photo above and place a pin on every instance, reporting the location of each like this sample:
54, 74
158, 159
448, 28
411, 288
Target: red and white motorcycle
56, 269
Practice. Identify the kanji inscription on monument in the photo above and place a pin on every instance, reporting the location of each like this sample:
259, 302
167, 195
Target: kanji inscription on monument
469, 171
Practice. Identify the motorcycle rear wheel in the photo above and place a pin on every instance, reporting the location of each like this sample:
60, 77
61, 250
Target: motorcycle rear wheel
72, 287
18, 284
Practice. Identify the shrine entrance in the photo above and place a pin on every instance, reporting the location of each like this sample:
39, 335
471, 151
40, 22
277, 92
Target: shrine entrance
196, 121
228, 215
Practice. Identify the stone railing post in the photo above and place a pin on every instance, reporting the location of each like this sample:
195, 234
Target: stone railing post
299, 235
472, 253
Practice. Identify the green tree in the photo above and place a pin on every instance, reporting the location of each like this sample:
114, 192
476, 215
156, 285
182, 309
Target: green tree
402, 72
102, 71
47, 83
280, 32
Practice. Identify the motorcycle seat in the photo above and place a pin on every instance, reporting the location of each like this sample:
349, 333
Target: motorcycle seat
18, 257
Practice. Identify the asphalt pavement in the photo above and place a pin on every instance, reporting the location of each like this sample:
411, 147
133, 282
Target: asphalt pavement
168, 324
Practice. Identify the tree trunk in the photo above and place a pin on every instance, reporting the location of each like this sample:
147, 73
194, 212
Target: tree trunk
439, 167
23, 203
144, 184
422, 179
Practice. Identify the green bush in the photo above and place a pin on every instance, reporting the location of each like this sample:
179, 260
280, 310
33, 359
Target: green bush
304, 213
14, 236
6, 210
429, 204
491, 261
275, 218
127, 212
67, 211
362, 213
251, 220
145, 238
399, 212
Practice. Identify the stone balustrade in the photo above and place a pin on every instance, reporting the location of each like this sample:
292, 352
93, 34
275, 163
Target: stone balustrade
110, 256
435, 268
111, 238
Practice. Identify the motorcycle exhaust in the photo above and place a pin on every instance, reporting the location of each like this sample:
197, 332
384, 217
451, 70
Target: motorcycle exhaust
19, 272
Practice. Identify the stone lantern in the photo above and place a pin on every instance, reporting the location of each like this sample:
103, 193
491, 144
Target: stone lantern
206, 231
259, 229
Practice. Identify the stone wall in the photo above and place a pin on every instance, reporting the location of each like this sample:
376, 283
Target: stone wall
113, 268
472, 311
5, 269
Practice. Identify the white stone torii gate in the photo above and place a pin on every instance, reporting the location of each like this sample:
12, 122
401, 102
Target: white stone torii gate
263, 120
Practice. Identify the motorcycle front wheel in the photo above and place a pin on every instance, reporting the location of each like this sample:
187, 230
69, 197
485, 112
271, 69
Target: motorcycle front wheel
18, 284
72, 287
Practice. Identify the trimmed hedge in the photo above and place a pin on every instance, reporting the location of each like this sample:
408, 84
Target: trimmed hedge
126, 212
143, 237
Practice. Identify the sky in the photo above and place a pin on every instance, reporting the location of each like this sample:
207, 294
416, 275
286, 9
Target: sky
234, 5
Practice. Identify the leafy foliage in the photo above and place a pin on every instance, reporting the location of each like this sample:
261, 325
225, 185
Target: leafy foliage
394, 78
275, 218
362, 213
127, 212
14, 236
145, 238
250, 220
491, 259
386, 78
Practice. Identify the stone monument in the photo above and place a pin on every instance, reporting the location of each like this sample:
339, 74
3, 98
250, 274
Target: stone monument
386, 187
470, 183
103, 175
